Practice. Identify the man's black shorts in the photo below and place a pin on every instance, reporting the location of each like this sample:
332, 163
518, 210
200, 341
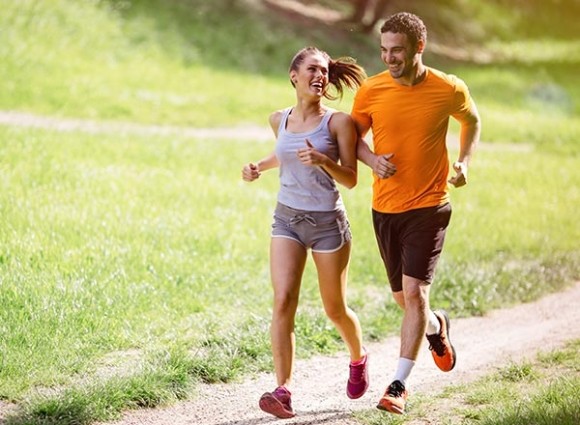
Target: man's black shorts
410, 242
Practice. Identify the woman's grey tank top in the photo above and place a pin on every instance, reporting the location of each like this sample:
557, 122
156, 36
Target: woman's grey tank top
306, 187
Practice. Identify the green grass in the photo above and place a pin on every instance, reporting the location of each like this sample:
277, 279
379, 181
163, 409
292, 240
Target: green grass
145, 61
537, 105
543, 391
179, 64
163, 380
149, 255
122, 243
112, 250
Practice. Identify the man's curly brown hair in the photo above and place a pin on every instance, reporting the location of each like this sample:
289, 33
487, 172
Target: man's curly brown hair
406, 23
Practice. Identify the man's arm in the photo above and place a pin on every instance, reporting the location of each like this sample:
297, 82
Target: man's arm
380, 164
468, 140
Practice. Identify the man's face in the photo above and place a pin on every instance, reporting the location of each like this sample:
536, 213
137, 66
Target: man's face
398, 54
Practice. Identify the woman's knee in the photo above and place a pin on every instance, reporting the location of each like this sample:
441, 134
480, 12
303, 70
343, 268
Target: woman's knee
285, 304
336, 312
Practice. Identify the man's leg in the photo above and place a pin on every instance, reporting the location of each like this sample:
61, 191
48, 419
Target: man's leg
416, 299
422, 234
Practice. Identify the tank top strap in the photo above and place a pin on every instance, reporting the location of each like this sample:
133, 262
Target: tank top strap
283, 122
326, 118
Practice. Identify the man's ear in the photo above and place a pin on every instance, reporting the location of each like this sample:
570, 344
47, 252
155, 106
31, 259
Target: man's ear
420, 46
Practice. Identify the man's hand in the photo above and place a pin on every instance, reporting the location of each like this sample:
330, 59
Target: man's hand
460, 177
383, 167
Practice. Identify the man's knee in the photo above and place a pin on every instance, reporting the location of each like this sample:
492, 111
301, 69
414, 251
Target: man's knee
415, 291
399, 298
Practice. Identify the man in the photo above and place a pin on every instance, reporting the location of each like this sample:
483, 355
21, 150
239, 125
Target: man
408, 109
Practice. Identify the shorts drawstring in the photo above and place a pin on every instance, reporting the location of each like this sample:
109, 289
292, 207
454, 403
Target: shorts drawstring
302, 217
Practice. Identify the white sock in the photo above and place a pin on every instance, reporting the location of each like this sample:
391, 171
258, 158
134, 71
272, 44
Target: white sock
403, 370
433, 324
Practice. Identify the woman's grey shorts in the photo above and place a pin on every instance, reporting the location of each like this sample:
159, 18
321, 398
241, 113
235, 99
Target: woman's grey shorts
322, 231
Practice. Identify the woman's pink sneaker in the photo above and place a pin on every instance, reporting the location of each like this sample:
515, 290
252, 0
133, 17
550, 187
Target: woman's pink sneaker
277, 403
358, 380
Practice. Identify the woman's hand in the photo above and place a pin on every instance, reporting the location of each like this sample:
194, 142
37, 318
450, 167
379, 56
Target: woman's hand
310, 156
250, 172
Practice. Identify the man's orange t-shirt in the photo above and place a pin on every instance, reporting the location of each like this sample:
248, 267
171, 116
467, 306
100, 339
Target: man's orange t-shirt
411, 122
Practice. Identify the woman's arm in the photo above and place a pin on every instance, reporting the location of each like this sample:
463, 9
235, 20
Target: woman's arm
345, 171
253, 170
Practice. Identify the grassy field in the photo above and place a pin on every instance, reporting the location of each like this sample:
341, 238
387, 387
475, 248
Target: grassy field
140, 247
134, 266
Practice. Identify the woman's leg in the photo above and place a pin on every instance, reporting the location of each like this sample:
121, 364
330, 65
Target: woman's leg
287, 260
332, 278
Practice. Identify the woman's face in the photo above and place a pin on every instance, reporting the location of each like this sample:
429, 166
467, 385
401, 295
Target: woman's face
311, 76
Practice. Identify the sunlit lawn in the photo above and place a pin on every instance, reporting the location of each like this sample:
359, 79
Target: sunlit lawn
119, 242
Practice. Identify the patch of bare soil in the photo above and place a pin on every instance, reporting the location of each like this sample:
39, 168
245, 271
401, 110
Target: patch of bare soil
250, 132
483, 344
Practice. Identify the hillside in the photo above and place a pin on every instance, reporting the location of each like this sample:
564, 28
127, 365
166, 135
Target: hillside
155, 61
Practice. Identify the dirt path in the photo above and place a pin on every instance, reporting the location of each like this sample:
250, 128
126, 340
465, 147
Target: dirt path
22, 119
250, 132
482, 344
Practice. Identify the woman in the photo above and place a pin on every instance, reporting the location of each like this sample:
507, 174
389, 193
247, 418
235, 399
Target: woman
316, 147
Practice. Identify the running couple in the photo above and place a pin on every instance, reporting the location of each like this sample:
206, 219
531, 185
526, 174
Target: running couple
407, 107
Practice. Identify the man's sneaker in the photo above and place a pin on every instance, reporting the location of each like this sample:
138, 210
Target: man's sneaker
441, 349
358, 380
394, 399
277, 403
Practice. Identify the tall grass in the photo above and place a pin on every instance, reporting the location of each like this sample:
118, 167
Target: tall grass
100, 232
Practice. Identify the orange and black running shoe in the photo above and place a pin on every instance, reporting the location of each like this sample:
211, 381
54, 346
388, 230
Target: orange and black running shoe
441, 349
